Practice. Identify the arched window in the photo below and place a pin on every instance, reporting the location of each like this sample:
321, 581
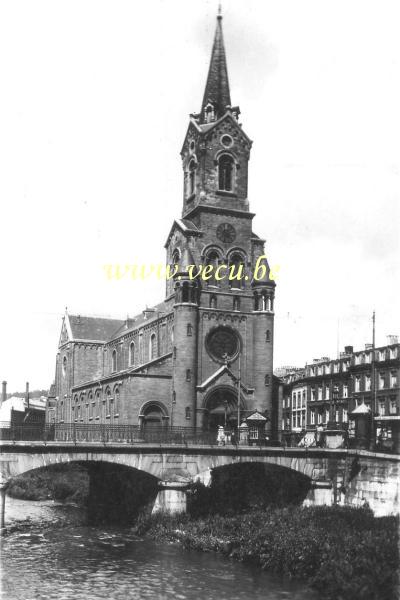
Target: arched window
75, 408
131, 354
185, 292
64, 366
236, 271
114, 361
225, 173
116, 402
236, 304
188, 375
175, 257
256, 302
189, 330
188, 413
267, 380
153, 346
98, 404
91, 406
108, 402
212, 259
213, 301
82, 407
268, 336
192, 177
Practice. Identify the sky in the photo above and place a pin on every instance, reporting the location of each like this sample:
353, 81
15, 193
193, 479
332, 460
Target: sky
93, 111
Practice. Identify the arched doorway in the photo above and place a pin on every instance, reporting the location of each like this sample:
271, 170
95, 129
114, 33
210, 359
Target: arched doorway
153, 416
221, 409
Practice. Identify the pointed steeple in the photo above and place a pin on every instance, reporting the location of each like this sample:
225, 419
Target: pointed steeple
216, 95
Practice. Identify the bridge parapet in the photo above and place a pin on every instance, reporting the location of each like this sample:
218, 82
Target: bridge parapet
352, 477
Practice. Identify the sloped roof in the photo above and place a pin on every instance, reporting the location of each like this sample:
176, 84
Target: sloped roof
362, 409
256, 416
136, 321
185, 225
93, 328
217, 86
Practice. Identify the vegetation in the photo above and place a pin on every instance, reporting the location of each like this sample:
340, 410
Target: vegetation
343, 553
32, 394
68, 482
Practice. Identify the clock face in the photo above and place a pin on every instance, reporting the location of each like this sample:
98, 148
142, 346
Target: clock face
226, 232
223, 343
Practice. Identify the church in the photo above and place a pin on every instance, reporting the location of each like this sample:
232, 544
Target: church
188, 360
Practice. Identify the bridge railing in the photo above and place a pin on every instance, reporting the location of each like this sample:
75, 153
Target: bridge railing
105, 433
134, 434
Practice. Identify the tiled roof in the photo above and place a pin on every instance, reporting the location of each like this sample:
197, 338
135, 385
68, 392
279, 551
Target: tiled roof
135, 322
93, 328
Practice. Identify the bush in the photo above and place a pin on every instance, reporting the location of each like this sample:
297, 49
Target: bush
344, 553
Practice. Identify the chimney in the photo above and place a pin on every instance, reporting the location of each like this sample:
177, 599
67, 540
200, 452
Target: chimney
27, 394
348, 349
3, 393
368, 346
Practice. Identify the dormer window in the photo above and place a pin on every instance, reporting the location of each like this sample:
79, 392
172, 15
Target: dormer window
209, 114
225, 173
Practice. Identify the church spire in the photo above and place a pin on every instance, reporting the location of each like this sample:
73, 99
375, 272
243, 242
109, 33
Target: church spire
216, 95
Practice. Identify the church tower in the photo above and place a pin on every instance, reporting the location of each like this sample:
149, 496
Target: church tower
224, 307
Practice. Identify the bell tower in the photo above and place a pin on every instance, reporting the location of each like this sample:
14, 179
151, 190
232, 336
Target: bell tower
216, 150
230, 313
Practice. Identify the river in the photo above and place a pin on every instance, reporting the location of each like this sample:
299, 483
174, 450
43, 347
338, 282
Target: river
56, 556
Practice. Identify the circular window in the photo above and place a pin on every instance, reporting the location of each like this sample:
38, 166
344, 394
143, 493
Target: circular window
226, 141
191, 145
223, 343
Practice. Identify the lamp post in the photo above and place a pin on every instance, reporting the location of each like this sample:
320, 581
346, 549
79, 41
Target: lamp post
173, 402
238, 400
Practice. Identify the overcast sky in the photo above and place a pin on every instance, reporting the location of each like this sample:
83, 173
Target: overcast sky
94, 105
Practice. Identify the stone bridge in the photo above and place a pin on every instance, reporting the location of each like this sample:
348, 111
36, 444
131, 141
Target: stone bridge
347, 477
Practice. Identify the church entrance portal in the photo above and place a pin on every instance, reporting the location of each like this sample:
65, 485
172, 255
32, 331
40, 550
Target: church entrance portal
221, 409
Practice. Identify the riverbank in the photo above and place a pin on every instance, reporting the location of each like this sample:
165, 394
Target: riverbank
66, 483
342, 553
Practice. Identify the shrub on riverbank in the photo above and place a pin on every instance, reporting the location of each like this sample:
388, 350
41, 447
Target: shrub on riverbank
57, 482
344, 553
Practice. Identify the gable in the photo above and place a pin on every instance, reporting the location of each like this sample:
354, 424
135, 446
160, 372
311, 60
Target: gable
64, 335
183, 226
194, 132
228, 125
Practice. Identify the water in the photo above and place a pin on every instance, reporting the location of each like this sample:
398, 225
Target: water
68, 560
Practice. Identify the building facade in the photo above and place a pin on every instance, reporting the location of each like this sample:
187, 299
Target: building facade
328, 391
183, 361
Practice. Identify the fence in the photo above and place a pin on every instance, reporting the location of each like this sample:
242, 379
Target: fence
89, 433
134, 434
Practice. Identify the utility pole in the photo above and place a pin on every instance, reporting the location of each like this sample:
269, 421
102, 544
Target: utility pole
373, 367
